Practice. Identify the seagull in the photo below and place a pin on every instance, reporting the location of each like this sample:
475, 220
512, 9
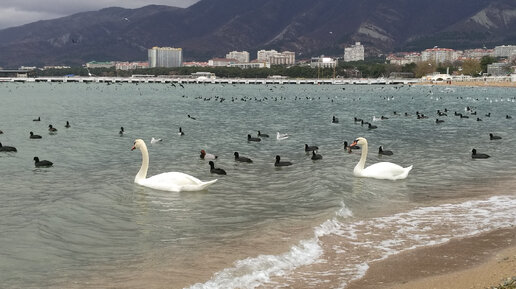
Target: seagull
280, 136
155, 140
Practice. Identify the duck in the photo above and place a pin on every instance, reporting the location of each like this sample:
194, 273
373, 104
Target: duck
281, 136
7, 148
191, 117
206, 156
479, 119
476, 155
250, 138
170, 181
279, 163
34, 136
37, 119
155, 140
67, 125
334, 120
262, 134
508, 116
370, 126
310, 148
181, 133
316, 156
494, 137
215, 170
347, 147
121, 132
238, 158
362, 122
381, 170
43, 163
51, 128
439, 120
1, 132
357, 119
385, 153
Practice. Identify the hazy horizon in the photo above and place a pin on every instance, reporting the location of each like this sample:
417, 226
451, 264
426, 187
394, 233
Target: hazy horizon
19, 12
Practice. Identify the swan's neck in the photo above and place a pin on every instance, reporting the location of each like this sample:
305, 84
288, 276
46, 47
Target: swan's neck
142, 173
361, 164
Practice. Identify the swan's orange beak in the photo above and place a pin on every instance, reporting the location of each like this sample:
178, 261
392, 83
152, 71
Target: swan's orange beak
133, 148
353, 144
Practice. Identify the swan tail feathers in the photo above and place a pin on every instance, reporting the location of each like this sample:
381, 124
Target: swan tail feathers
199, 187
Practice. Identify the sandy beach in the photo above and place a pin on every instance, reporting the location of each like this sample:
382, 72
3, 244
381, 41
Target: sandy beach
478, 262
473, 83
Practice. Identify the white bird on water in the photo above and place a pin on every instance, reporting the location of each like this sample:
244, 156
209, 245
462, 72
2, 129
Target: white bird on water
155, 140
280, 136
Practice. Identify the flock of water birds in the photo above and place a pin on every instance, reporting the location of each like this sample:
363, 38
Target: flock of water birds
177, 181
37, 162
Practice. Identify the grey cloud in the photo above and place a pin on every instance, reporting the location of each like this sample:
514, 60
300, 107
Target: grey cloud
19, 12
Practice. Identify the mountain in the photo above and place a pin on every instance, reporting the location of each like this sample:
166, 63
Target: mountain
211, 28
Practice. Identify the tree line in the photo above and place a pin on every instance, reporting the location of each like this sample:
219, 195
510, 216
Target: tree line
371, 68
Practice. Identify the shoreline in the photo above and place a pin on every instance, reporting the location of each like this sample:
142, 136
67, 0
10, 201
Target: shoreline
472, 83
479, 261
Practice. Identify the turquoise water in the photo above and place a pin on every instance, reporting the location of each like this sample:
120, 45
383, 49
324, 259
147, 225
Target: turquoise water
83, 223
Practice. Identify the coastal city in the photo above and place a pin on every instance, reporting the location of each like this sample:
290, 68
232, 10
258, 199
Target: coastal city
500, 68
260, 144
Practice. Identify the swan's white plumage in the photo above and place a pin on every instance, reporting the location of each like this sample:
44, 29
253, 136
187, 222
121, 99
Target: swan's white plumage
171, 181
382, 170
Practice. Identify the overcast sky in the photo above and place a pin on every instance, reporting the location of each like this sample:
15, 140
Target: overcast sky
19, 12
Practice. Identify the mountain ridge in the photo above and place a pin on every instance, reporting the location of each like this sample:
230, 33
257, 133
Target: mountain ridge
211, 28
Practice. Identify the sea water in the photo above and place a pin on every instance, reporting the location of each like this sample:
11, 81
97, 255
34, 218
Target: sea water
83, 223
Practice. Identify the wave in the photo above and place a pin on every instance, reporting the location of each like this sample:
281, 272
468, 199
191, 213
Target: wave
342, 247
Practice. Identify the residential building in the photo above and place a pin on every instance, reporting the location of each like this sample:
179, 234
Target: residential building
440, 55
254, 64
240, 56
98, 64
499, 69
323, 62
276, 58
165, 57
354, 53
403, 58
125, 65
477, 53
221, 62
195, 64
504, 51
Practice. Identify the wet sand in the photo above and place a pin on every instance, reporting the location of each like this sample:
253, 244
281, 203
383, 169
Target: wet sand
476, 262
473, 83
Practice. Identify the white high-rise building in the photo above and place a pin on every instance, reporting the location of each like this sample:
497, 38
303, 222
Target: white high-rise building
165, 57
240, 56
440, 55
504, 50
354, 53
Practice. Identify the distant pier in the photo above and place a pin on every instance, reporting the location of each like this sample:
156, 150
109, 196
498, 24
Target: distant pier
203, 80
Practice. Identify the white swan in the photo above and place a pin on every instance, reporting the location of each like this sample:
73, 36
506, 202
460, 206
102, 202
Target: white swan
280, 136
382, 170
171, 181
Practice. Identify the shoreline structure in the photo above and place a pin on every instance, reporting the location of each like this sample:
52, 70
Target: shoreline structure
508, 81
